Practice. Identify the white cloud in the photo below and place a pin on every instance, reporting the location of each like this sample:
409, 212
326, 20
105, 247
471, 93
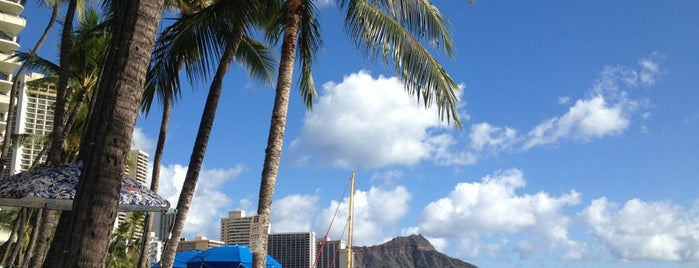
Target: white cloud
564, 100
587, 119
366, 122
607, 110
376, 214
640, 230
142, 142
293, 213
650, 68
474, 212
484, 135
209, 202
325, 3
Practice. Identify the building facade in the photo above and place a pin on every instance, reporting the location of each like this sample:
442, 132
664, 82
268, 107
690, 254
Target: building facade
137, 170
11, 24
155, 250
238, 229
293, 250
330, 253
32, 121
199, 242
162, 225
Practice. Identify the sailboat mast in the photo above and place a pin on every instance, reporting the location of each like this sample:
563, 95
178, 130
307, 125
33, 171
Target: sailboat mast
349, 224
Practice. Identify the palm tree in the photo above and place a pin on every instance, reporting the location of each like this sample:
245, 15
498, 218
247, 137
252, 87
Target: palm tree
87, 54
89, 48
219, 29
124, 248
159, 82
108, 134
382, 29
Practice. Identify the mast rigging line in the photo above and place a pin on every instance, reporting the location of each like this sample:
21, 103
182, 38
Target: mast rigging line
325, 237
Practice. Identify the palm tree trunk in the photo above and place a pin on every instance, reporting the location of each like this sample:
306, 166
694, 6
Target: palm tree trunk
20, 235
15, 88
198, 152
63, 76
45, 225
275, 141
108, 135
32, 239
13, 236
155, 178
54, 157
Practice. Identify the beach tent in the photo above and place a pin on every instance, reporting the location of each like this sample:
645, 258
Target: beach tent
181, 259
229, 256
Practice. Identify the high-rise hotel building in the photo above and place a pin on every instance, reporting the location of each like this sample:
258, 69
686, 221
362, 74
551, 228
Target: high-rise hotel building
293, 250
10, 25
331, 253
136, 169
238, 229
33, 118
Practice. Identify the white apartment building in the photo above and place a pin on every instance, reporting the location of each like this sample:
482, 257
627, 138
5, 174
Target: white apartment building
155, 250
137, 170
330, 253
33, 118
293, 250
10, 25
238, 229
162, 225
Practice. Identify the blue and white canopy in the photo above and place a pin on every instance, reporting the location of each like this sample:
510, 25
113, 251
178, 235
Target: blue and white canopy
53, 187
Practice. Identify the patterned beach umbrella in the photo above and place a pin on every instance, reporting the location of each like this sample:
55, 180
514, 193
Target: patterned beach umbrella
53, 187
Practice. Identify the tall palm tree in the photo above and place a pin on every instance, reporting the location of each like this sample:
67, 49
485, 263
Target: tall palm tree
108, 134
384, 29
87, 53
220, 29
167, 88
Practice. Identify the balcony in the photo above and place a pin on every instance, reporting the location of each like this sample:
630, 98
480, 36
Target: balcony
8, 43
12, 7
5, 84
4, 104
8, 65
11, 25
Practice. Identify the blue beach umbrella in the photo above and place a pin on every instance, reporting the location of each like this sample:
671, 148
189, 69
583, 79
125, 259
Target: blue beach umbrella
53, 187
230, 256
181, 258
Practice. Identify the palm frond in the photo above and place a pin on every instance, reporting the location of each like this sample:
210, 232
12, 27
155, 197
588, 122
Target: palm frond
381, 36
196, 42
42, 82
422, 19
36, 63
309, 41
258, 59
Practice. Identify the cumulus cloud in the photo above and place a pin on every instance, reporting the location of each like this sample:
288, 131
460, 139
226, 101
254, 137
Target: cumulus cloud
367, 122
641, 230
587, 119
473, 213
209, 202
141, 141
376, 213
293, 213
484, 136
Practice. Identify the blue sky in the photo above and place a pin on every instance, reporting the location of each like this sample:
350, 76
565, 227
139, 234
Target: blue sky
579, 146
